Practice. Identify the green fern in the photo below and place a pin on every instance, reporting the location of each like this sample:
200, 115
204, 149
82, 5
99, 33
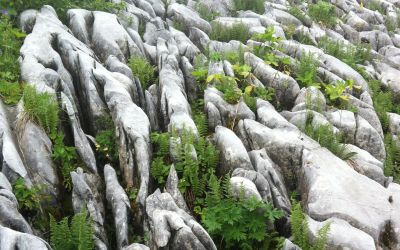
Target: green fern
299, 226
82, 231
77, 236
159, 170
238, 223
161, 141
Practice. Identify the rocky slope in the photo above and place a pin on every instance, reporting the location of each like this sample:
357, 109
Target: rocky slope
84, 63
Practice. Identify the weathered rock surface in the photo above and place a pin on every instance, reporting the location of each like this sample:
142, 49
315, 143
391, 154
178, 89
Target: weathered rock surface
173, 227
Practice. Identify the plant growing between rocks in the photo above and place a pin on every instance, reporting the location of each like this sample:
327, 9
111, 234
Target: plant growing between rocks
323, 12
143, 70
77, 234
254, 5
222, 33
300, 234
326, 137
10, 42
238, 222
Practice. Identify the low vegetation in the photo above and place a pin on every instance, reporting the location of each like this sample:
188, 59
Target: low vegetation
238, 222
327, 138
41, 108
300, 234
323, 12
10, 43
255, 5
222, 33
205, 12
74, 234
142, 69
14, 7
347, 53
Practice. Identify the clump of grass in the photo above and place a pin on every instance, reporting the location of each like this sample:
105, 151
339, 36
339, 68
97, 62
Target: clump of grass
253, 5
142, 69
10, 92
323, 12
297, 12
205, 12
376, 6
392, 161
347, 53
10, 43
222, 33
42, 108
326, 137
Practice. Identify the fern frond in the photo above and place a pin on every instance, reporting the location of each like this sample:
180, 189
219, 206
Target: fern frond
82, 231
60, 234
322, 238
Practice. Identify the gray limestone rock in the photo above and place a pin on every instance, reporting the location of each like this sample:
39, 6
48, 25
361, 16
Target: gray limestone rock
120, 206
172, 227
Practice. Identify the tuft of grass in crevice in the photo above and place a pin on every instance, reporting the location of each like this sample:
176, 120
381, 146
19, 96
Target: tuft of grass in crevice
222, 33
142, 69
256, 6
324, 13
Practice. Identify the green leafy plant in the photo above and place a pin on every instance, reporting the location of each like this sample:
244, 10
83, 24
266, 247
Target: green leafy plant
143, 70
254, 5
327, 138
306, 71
41, 108
336, 91
222, 33
28, 198
65, 157
77, 235
299, 226
323, 12
238, 223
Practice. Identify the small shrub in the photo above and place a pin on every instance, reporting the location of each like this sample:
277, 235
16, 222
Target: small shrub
323, 12
222, 33
143, 70
238, 223
205, 12
299, 226
71, 236
41, 108
253, 5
